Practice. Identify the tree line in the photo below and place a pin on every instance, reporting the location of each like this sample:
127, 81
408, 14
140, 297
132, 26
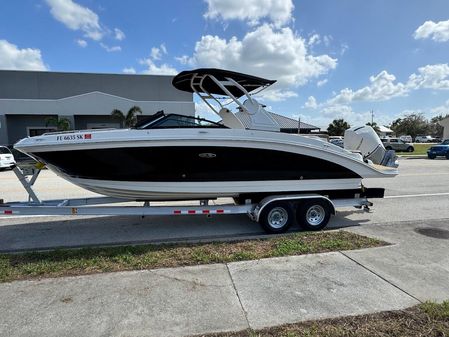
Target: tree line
413, 124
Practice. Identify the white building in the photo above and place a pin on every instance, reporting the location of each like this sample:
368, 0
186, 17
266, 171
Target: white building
445, 124
385, 132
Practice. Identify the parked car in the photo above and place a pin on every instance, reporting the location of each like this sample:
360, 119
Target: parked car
397, 145
439, 150
6, 158
424, 139
338, 142
22, 160
406, 138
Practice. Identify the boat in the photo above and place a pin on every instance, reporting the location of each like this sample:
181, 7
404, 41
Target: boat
176, 157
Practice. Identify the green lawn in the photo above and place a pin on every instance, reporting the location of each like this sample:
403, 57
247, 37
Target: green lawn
97, 260
421, 149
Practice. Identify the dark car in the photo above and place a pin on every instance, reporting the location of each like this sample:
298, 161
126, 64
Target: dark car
441, 150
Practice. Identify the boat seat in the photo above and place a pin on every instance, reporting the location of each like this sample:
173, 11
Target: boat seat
229, 119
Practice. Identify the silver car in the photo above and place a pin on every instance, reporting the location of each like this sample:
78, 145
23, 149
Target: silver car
397, 145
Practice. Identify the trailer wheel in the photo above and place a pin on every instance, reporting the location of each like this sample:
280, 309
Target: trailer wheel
276, 217
314, 214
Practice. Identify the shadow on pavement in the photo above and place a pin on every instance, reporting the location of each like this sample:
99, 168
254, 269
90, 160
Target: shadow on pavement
24, 234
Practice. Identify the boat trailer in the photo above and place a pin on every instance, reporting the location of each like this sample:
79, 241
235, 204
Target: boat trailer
275, 213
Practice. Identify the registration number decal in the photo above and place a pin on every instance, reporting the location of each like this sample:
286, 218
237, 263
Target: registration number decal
74, 137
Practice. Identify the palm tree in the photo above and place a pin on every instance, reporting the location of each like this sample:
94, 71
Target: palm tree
61, 123
130, 119
338, 127
374, 126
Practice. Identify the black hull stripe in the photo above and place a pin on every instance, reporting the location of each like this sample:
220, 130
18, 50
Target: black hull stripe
192, 164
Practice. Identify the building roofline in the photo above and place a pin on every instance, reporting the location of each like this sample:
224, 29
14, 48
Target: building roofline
78, 73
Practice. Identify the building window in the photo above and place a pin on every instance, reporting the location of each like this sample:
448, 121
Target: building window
39, 130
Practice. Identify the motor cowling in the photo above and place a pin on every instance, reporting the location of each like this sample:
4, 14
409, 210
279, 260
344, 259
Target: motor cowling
364, 139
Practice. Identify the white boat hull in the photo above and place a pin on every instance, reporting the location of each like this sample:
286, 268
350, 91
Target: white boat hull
207, 190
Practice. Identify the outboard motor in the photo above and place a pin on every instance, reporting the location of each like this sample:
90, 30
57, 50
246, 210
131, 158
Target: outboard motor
364, 139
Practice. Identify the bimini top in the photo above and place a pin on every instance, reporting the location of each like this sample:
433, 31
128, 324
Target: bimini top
200, 80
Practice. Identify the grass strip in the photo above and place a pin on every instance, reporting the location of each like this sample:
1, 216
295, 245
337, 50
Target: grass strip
427, 319
421, 149
109, 259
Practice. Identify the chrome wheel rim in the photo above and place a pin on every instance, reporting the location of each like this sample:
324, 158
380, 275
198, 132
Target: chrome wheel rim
315, 215
278, 217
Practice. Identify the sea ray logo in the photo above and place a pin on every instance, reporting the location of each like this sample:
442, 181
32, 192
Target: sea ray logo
207, 155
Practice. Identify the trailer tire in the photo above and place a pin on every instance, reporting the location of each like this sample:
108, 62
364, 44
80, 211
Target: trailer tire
314, 214
276, 217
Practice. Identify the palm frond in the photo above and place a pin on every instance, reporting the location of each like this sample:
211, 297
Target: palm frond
117, 114
131, 118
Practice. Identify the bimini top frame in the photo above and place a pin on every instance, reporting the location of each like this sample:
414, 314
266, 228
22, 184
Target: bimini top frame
208, 82
210, 76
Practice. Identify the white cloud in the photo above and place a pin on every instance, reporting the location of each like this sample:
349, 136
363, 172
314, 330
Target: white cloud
153, 69
276, 95
110, 49
186, 60
203, 111
274, 54
441, 110
82, 43
354, 118
314, 39
77, 17
438, 32
344, 47
129, 70
311, 103
382, 87
252, 11
321, 83
13, 58
327, 39
434, 76
118, 34
157, 52
337, 111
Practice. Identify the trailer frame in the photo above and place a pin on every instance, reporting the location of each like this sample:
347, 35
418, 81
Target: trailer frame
257, 211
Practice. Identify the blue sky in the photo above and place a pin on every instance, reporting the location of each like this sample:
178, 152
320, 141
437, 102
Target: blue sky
332, 59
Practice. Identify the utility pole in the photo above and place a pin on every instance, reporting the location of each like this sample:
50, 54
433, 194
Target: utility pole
372, 117
299, 125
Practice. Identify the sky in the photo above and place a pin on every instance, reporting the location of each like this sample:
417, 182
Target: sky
331, 59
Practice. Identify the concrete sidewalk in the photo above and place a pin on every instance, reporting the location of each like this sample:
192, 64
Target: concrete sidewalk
236, 296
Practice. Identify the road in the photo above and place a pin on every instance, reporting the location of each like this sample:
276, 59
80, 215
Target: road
420, 193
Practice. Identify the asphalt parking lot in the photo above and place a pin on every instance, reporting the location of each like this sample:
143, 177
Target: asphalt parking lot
420, 193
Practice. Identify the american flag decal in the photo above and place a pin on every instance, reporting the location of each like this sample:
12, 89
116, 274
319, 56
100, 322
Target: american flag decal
88, 136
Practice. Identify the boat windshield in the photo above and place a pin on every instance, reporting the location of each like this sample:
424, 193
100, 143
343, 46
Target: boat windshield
174, 121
